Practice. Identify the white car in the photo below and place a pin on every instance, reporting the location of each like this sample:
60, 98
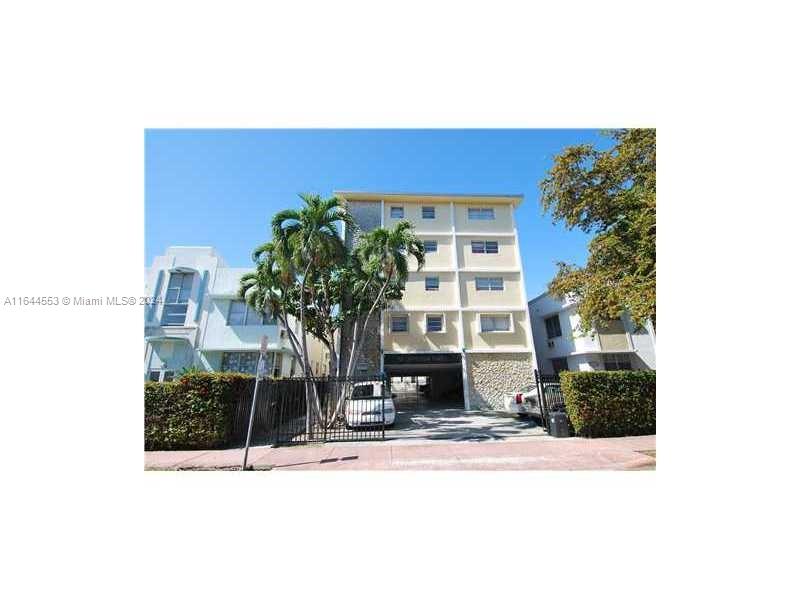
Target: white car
524, 402
368, 405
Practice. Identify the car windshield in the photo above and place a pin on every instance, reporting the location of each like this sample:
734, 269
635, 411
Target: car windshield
364, 391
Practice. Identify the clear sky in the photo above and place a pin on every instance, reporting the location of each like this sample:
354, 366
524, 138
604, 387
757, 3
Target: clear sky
221, 187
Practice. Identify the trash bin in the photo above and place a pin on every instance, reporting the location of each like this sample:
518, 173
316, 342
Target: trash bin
559, 425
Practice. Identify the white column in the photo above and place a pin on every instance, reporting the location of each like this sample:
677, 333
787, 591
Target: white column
523, 292
457, 274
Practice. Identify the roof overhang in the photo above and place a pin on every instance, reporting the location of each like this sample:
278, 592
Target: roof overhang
356, 196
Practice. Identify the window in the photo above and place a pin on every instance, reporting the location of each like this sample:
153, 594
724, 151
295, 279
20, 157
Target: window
431, 246
177, 300
484, 247
553, 326
617, 362
559, 364
400, 324
240, 313
368, 390
491, 323
240, 362
396, 212
434, 323
237, 312
153, 376
428, 212
169, 375
489, 283
480, 214
277, 363
431, 284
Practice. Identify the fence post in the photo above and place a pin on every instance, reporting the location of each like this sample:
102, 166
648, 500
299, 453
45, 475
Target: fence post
542, 402
384, 389
326, 418
250, 426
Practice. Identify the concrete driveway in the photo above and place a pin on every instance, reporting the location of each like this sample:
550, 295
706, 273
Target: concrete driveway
455, 424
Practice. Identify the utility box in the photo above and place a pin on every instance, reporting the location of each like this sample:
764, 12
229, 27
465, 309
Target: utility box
559, 425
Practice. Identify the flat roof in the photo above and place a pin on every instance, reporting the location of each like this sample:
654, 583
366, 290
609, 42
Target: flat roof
514, 199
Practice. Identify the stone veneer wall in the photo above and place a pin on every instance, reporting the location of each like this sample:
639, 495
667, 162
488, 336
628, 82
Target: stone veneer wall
493, 375
367, 216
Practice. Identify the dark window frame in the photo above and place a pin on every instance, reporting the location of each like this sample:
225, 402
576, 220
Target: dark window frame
403, 318
438, 316
553, 331
435, 246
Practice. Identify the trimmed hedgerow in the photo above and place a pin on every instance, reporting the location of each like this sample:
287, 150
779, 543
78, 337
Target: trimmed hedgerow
196, 412
610, 403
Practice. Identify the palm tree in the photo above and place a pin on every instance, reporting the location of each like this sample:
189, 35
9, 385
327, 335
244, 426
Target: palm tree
382, 255
307, 245
306, 241
269, 290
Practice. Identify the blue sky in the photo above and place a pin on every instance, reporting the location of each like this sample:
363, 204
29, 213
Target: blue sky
221, 187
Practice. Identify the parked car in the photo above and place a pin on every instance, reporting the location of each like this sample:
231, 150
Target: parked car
369, 404
524, 403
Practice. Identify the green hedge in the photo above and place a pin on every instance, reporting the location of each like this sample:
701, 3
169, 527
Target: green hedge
195, 412
610, 403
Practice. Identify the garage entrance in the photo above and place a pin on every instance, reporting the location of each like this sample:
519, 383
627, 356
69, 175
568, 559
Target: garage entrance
425, 381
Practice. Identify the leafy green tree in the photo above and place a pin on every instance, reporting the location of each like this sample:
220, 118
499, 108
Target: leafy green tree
306, 272
612, 194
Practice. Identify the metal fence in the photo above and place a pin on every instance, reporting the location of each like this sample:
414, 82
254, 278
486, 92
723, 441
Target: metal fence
300, 410
551, 398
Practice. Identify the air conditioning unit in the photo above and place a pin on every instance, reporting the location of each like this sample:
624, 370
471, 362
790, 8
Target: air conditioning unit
551, 344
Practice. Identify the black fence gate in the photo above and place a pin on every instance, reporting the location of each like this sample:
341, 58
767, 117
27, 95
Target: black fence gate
551, 399
300, 410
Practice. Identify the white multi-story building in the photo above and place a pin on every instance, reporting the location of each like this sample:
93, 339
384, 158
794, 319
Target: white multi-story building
197, 320
560, 346
462, 323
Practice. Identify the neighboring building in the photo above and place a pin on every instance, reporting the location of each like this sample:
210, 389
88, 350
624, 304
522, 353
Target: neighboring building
561, 347
196, 319
463, 321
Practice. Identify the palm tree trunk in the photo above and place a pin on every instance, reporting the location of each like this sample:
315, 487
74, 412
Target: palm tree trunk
359, 342
343, 383
366, 322
293, 341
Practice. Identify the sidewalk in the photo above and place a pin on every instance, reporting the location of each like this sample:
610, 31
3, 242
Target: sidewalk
544, 453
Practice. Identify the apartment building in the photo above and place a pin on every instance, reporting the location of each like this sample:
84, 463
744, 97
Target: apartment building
463, 323
197, 320
561, 347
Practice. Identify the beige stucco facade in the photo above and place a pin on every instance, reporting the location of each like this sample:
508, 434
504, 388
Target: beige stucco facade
465, 282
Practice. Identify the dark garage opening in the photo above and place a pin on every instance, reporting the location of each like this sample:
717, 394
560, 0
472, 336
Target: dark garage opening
422, 381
